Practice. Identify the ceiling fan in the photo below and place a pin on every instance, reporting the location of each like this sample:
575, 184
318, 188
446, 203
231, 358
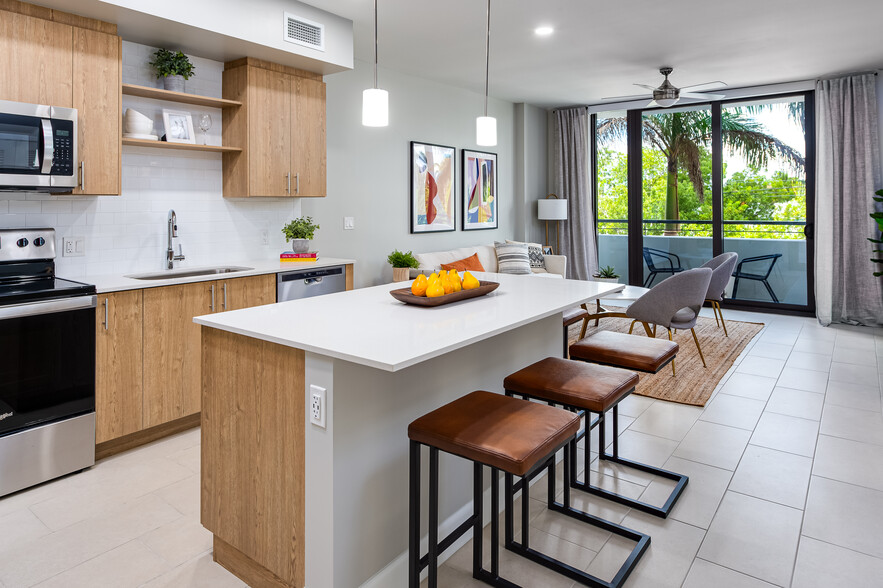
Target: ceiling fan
668, 95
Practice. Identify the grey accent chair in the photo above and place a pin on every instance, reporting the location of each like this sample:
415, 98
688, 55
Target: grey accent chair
722, 268
673, 303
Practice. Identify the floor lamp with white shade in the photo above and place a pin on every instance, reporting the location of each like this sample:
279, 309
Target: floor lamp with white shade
552, 208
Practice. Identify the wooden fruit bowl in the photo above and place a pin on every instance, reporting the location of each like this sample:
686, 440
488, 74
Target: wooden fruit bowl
404, 295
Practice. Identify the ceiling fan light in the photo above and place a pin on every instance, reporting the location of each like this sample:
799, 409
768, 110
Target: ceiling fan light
486, 131
666, 102
375, 108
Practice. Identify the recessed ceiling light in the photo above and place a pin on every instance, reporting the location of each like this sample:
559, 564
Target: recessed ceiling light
544, 31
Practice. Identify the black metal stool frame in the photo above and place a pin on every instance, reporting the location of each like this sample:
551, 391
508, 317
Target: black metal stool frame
570, 464
417, 563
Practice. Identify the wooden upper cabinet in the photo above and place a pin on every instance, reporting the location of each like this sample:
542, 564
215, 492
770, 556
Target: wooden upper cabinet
97, 86
247, 292
172, 364
35, 60
308, 150
280, 128
118, 376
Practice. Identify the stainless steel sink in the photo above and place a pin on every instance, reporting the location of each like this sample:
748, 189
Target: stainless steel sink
190, 273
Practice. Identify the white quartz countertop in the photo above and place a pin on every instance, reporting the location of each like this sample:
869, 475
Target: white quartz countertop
369, 327
117, 282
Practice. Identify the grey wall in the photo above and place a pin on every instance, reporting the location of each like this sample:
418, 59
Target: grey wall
368, 168
531, 148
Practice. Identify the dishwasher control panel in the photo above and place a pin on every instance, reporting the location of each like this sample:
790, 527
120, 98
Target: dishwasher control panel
310, 282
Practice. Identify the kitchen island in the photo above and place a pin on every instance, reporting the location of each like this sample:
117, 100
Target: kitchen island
292, 503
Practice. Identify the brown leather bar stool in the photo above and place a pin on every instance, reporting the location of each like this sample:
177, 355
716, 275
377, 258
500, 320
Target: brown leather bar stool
521, 439
642, 354
588, 388
573, 316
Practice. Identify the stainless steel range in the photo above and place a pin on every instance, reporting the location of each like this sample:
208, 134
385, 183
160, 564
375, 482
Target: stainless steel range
47, 364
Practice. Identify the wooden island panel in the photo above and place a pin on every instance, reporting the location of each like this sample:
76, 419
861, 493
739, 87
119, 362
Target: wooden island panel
252, 461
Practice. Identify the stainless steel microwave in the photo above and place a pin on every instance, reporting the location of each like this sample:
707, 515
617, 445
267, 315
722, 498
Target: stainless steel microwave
38, 147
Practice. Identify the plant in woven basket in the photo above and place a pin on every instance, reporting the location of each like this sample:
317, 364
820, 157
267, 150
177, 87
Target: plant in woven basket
399, 259
172, 63
878, 217
608, 273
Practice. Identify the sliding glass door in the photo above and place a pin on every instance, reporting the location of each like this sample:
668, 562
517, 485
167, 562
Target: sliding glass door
677, 186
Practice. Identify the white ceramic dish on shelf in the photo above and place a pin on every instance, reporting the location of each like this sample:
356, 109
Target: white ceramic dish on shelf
140, 136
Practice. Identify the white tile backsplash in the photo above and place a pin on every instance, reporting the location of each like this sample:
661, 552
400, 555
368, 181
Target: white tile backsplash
127, 233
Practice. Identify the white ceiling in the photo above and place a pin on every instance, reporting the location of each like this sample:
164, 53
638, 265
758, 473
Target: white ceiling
600, 48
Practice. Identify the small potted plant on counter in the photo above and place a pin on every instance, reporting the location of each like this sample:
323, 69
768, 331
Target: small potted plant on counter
401, 265
173, 67
606, 274
299, 232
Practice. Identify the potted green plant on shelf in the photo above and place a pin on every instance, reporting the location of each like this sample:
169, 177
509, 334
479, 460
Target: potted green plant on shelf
173, 67
878, 217
401, 264
299, 232
606, 274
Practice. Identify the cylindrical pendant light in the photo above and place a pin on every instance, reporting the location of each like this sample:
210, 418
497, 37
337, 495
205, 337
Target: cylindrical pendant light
375, 102
486, 126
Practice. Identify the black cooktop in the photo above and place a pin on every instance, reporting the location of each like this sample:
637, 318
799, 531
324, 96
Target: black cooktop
22, 291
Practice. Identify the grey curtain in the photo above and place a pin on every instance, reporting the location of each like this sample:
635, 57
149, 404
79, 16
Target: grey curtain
571, 156
849, 172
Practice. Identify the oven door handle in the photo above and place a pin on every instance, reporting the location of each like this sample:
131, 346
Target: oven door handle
48, 307
48, 146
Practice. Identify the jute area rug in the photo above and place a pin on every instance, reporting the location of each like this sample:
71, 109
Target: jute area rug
693, 384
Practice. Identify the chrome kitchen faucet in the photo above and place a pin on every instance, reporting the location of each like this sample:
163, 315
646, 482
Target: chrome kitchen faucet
171, 258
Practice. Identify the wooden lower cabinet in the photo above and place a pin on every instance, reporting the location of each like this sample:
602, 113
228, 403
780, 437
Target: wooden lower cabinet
148, 355
118, 376
172, 349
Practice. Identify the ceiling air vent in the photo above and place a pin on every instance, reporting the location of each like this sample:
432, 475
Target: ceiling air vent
304, 32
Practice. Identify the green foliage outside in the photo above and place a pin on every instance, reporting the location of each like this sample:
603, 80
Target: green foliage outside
748, 195
878, 218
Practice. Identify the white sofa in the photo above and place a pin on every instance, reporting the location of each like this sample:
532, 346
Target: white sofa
556, 265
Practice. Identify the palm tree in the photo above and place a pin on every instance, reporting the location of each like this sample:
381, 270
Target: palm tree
679, 135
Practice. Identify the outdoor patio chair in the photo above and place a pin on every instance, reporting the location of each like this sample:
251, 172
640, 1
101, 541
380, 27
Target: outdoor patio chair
673, 304
739, 274
674, 264
721, 268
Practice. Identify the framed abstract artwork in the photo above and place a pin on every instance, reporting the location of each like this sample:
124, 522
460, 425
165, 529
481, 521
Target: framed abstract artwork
432, 188
480, 202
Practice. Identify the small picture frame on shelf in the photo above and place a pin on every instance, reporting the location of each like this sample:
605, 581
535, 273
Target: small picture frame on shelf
179, 126
547, 250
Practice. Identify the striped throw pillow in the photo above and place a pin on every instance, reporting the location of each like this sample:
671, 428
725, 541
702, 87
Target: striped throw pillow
512, 258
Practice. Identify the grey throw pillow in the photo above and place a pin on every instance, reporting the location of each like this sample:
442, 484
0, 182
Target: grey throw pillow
534, 253
512, 258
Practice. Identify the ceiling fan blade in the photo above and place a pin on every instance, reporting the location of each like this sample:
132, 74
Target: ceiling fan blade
702, 96
651, 88
712, 86
627, 98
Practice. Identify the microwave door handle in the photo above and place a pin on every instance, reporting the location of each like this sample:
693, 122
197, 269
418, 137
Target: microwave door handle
48, 146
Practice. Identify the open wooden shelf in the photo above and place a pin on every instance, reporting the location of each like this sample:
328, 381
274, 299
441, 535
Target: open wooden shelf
158, 94
187, 146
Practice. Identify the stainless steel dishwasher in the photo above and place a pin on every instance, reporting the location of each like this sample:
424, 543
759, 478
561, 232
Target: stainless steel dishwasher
310, 282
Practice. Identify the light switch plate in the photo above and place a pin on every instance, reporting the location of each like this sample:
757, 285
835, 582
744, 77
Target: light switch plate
349, 223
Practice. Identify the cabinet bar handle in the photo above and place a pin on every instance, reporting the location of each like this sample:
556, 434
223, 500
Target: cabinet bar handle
83, 176
105, 314
288, 175
212, 305
225, 295
297, 183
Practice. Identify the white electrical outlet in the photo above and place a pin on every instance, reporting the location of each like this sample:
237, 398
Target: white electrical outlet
73, 246
317, 406
265, 236
349, 223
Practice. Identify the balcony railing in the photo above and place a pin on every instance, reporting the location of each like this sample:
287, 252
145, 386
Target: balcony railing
693, 244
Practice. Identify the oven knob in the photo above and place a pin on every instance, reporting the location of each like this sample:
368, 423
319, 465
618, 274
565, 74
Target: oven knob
22, 242
39, 242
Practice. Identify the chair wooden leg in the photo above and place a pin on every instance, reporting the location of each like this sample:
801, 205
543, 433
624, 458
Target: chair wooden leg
650, 333
673, 374
597, 311
698, 348
654, 331
714, 310
632, 326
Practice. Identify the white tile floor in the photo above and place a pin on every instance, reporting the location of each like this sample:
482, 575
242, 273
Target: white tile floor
786, 489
